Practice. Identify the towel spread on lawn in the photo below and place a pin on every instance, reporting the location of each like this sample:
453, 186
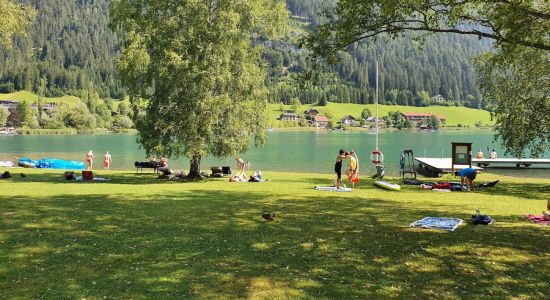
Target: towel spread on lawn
538, 219
438, 223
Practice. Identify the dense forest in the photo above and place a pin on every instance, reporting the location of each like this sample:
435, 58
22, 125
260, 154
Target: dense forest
72, 50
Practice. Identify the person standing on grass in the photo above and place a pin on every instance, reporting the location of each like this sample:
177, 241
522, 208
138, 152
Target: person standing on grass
90, 160
338, 167
353, 171
467, 176
107, 160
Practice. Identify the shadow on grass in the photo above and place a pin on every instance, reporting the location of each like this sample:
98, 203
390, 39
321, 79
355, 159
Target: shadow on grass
129, 178
216, 245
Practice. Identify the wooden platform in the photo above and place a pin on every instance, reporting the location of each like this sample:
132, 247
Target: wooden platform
435, 167
511, 162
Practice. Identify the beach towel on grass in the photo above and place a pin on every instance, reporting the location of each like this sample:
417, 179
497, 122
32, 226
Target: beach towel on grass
332, 189
538, 219
437, 223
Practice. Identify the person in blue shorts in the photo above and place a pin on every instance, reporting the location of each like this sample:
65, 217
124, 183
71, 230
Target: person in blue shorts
467, 175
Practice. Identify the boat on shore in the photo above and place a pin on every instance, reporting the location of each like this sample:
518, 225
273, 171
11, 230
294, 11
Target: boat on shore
51, 163
27, 163
6, 163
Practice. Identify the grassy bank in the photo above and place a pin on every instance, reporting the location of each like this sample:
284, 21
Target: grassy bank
137, 237
31, 98
454, 115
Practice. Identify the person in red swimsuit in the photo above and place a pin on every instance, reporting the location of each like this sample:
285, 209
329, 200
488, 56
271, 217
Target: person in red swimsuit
90, 160
107, 160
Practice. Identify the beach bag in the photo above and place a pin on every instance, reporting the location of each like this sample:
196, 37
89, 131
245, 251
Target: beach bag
69, 175
87, 176
482, 220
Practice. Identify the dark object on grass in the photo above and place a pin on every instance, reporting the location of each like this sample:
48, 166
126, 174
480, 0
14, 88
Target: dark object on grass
87, 176
23, 175
482, 220
155, 165
226, 170
269, 217
6, 175
69, 175
488, 184
412, 182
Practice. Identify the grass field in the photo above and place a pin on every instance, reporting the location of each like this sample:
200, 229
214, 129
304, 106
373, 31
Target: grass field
139, 238
31, 98
454, 115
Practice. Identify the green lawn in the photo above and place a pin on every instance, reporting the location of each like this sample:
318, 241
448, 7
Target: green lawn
138, 238
454, 115
31, 98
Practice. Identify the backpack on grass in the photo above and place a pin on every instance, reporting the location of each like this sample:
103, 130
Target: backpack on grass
482, 220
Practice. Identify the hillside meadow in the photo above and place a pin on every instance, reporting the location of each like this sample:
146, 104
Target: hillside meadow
454, 115
136, 237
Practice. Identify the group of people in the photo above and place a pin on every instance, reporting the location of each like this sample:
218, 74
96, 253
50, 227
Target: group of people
353, 169
240, 175
492, 154
107, 160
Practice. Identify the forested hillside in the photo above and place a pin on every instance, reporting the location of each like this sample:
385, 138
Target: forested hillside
71, 47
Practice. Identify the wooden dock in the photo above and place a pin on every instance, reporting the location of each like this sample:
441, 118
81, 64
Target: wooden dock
435, 167
511, 162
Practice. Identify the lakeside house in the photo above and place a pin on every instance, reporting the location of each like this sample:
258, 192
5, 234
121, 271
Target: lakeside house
372, 120
13, 104
45, 106
310, 112
8, 131
438, 99
320, 122
422, 118
286, 117
348, 120
7, 104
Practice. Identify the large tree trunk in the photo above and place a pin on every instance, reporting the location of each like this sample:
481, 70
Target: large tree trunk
195, 167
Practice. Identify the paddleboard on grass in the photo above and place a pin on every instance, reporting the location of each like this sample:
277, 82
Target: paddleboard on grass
6, 163
332, 189
387, 185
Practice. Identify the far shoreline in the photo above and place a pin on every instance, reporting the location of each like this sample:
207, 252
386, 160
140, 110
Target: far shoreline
72, 131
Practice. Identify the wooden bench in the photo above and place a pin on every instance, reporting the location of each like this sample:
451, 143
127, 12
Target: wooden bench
140, 165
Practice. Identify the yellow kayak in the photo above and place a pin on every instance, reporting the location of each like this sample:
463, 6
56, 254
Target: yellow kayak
387, 185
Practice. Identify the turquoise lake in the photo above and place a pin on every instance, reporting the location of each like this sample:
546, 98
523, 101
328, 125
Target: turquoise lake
307, 152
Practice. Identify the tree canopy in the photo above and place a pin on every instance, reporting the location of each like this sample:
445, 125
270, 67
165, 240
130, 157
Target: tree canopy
195, 79
523, 23
514, 77
15, 17
518, 83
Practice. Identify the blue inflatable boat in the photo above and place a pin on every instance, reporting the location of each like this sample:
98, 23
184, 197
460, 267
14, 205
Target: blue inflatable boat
27, 163
52, 163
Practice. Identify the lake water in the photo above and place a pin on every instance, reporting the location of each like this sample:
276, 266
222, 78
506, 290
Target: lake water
284, 151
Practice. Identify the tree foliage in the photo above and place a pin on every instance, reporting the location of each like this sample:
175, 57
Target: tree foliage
524, 23
69, 44
13, 20
518, 85
514, 77
191, 69
4, 114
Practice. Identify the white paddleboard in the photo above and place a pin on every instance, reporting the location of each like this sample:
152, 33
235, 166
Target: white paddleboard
332, 189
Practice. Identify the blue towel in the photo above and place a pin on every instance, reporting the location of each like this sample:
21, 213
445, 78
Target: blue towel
438, 223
